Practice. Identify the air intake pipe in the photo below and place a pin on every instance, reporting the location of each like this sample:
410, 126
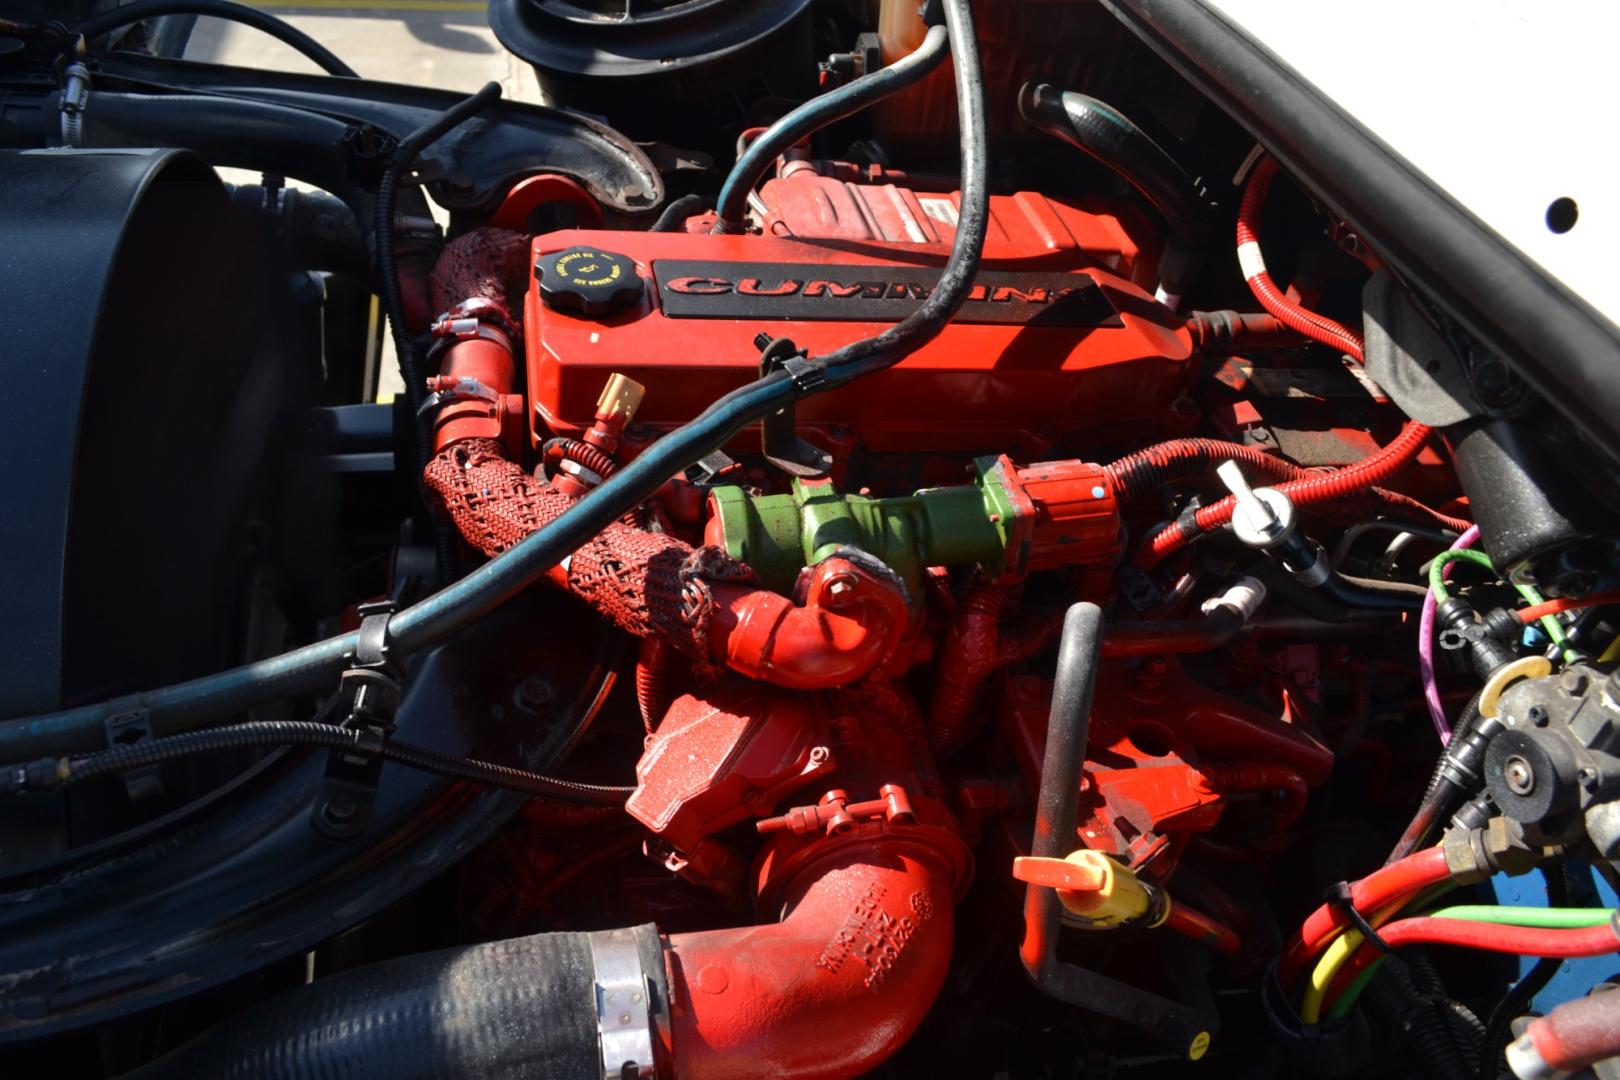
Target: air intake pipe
830, 991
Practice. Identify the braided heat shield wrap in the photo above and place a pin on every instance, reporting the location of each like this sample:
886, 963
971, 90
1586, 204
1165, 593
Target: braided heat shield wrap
645, 583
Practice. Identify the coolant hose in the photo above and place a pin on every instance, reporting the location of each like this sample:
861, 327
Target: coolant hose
1225, 333
673, 219
829, 992
817, 113
1056, 808
1111, 139
507, 1009
1058, 803
433, 620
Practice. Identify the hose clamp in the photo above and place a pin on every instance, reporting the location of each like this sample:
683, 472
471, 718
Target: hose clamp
74, 101
623, 1006
450, 389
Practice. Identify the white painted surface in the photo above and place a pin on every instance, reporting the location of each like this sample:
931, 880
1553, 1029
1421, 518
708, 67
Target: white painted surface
1505, 104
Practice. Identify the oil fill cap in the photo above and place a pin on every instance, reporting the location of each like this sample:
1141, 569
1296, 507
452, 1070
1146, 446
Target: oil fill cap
588, 281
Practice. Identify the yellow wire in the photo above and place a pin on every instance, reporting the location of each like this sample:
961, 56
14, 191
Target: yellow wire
1335, 957
1612, 653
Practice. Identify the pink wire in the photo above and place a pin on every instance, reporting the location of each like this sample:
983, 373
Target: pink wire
1431, 692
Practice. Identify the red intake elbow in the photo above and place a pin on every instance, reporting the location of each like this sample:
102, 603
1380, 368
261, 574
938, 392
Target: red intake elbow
851, 622
833, 989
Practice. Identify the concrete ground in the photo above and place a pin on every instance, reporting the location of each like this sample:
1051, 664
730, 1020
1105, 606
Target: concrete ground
440, 43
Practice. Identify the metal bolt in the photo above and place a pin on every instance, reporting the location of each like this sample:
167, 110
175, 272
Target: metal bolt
1520, 777
531, 694
1151, 675
840, 587
340, 809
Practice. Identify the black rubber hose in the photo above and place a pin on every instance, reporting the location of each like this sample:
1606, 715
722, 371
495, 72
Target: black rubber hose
1206, 633
306, 670
405, 349
60, 772
673, 219
235, 132
525, 1007
1443, 796
120, 17
1068, 727
1068, 730
819, 112
1107, 136
956, 281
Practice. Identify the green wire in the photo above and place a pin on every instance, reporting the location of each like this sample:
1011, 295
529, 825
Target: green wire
1546, 918
1437, 585
1437, 568
1347, 1000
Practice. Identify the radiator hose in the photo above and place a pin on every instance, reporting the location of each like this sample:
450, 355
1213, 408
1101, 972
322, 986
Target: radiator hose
829, 992
517, 1008
1114, 141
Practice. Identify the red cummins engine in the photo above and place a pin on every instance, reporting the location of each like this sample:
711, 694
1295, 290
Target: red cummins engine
824, 647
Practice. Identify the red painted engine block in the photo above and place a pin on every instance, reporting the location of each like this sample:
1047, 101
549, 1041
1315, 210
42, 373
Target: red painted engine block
1060, 295
1166, 755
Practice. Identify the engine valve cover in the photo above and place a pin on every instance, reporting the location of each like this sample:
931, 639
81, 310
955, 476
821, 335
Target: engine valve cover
1054, 299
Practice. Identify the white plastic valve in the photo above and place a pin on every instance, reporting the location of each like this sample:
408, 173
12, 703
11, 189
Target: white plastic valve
1261, 518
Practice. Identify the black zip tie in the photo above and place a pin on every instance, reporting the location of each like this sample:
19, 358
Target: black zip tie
1338, 894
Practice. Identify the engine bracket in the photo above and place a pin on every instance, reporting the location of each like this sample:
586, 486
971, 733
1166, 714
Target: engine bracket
780, 436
